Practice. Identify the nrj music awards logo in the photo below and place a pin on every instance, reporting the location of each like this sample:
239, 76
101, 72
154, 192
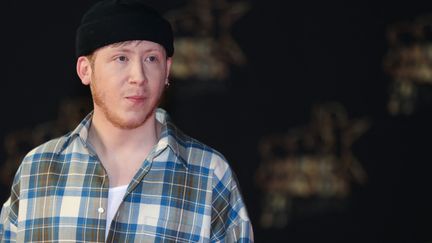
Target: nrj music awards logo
409, 63
205, 47
310, 169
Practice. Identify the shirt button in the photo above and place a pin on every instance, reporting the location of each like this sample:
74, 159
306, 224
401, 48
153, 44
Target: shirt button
101, 210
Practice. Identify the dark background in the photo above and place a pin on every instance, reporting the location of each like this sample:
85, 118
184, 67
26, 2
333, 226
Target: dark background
299, 54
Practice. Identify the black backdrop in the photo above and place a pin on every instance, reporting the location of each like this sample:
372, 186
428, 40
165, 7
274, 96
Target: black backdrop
298, 54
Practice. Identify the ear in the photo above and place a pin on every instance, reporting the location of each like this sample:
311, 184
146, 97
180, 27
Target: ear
84, 70
169, 62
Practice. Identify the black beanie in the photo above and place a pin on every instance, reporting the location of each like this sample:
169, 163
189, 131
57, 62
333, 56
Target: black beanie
113, 21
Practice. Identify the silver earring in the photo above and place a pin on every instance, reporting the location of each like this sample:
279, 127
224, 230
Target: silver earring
167, 82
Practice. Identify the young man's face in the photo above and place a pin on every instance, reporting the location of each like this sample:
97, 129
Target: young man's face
127, 81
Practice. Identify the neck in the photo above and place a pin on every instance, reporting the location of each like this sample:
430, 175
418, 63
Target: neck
103, 133
122, 151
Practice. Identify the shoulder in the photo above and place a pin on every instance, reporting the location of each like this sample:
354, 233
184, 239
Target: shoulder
197, 153
46, 154
52, 146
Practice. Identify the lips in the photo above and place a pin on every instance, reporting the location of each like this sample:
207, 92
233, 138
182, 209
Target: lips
136, 99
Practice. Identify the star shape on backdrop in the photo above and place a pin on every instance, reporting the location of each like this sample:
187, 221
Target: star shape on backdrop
408, 61
204, 44
314, 162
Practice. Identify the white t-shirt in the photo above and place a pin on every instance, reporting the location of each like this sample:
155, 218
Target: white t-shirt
115, 197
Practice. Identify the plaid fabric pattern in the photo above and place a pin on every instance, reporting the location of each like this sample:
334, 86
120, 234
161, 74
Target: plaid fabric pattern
183, 192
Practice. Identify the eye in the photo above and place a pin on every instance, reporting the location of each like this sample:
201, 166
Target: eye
151, 59
122, 58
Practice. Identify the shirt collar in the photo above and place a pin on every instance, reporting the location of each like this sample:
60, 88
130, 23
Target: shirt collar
82, 130
170, 137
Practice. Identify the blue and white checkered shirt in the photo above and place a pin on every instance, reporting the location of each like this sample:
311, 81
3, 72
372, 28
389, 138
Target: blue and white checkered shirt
183, 192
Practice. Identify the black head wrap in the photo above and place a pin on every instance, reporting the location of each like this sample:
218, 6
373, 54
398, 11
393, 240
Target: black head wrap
113, 21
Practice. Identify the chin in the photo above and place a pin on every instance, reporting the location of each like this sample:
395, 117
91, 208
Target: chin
128, 126
134, 121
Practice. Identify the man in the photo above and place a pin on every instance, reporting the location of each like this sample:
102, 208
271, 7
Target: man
126, 173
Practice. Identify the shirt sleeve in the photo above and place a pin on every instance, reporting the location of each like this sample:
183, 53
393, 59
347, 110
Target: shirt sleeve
230, 220
9, 214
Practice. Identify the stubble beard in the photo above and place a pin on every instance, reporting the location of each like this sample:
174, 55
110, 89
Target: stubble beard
117, 121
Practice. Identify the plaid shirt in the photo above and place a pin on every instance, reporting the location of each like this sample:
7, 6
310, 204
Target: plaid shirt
183, 192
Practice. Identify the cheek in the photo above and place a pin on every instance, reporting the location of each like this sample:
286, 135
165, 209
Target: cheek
103, 87
156, 71
156, 79
158, 88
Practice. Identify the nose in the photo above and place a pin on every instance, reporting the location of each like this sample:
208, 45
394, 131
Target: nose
137, 74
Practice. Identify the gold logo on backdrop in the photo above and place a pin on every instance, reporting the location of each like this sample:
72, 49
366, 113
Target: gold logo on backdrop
409, 63
311, 162
18, 143
204, 45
